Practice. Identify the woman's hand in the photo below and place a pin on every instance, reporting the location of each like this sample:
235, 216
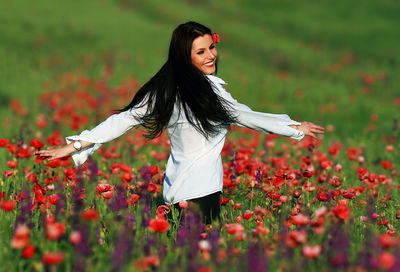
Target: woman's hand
52, 154
309, 129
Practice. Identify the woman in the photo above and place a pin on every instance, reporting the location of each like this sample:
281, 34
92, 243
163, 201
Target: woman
191, 104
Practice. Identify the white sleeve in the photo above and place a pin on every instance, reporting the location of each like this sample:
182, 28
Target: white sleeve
263, 122
110, 129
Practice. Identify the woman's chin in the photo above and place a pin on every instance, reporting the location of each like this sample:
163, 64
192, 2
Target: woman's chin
209, 71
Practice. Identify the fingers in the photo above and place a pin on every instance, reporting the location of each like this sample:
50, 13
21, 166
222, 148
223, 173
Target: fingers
317, 130
313, 128
313, 136
45, 154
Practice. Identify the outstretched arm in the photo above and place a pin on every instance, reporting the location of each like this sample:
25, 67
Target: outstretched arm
270, 123
66, 150
110, 129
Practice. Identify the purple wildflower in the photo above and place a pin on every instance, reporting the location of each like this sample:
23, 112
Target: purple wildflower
26, 213
119, 200
256, 259
123, 248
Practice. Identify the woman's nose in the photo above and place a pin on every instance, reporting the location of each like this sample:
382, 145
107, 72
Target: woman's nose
211, 55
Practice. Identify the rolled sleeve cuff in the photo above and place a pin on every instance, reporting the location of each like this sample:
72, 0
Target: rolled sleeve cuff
80, 157
296, 134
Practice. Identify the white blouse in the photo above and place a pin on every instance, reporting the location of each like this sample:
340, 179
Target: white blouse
194, 167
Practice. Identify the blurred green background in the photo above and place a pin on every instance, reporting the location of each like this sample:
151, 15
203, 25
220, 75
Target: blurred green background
331, 62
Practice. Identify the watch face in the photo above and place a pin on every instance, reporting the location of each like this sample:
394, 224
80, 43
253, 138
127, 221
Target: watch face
77, 145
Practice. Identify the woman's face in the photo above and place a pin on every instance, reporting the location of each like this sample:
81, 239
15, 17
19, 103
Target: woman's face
204, 54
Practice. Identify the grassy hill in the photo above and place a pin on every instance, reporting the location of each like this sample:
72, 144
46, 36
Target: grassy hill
331, 63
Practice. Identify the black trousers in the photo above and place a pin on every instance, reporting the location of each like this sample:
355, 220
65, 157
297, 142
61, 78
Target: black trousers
209, 206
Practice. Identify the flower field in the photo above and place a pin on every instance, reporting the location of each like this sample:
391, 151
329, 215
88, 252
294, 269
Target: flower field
285, 203
327, 205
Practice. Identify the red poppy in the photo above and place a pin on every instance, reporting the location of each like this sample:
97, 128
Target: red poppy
55, 139
387, 260
389, 148
133, 199
151, 188
387, 165
125, 168
90, 215
53, 199
183, 204
55, 230
223, 201
349, 195
35, 143
4, 142
248, 214
310, 251
152, 261
234, 228
341, 211
31, 177
154, 170
334, 149
352, 153
262, 230
41, 121
320, 212
24, 153
159, 225
13, 148
387, 241
162, 210
28, 251
127, 177
75, 237
8, 173
8, 205
54, 163
204, 269
296, 237
107, 195
300, 219
323, 196
53, 258
307, 174
21, 237
103, 187
12, 164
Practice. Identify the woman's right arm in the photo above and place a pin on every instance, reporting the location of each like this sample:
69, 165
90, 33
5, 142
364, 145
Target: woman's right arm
91, 140
66, 150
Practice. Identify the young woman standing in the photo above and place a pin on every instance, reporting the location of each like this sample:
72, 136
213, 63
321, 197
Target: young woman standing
191, 104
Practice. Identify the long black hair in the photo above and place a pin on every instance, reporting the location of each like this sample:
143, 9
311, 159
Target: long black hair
179, 80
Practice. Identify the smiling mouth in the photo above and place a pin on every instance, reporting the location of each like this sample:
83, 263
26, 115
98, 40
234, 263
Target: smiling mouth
209, 64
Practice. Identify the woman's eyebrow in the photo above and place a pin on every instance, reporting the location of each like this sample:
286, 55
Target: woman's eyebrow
198, 49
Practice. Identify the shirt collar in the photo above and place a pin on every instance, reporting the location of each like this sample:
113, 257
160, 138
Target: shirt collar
215, 79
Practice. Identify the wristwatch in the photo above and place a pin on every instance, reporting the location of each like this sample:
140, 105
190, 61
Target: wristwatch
78, 145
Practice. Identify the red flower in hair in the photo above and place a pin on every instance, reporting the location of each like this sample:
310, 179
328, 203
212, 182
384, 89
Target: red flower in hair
215, 38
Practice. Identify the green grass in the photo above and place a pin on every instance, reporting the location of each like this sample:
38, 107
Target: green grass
42, 39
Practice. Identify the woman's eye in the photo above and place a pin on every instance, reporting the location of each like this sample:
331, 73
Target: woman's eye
200, 52
212, 46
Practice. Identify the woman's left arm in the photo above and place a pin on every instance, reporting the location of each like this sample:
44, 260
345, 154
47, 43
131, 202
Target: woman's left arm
270, 123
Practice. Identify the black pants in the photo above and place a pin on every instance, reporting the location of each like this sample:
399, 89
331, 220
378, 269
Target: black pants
208, 205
